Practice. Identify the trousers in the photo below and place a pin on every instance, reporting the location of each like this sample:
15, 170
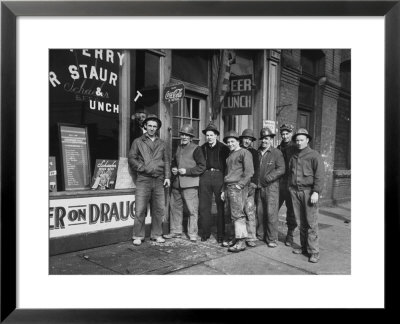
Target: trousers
189, 197
250, 211
268, 213
149, 189
237, 198
211, 182
308, 215
285, 197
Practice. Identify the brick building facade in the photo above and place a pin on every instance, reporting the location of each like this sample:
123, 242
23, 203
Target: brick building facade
314, 92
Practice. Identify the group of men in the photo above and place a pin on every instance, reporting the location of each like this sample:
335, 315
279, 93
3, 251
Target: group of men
251, 184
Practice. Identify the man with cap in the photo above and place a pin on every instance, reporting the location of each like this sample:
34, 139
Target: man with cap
239, 170
148, 156
246, 139
288, 148
212, 182
188, 164
272, 167
306, 178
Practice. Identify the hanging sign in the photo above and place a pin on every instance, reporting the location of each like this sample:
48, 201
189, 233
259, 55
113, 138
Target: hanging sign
173, 94
238, 100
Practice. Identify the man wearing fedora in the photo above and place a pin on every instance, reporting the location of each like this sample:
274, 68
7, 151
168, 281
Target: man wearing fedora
211, 182
288, 148
246, 139
188, 164
306, 177
148, 156
272, 167
239, 171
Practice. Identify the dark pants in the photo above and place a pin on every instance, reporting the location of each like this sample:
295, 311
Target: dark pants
268, 217
285, 197
308, 215
149, 189
211, 183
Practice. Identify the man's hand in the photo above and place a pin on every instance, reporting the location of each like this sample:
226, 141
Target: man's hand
174, 171
182, 171
167, 183
314, 198
223, 196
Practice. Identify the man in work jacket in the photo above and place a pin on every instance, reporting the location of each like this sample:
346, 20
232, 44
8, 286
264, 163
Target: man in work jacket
212, 182
149, 158
187, 164
306, 180
272, 167
238, 174
288, 148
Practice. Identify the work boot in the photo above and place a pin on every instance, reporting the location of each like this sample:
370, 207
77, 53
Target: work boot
251, 243
314, 258
289, 238
239, 246
229, 243
300, 251
172, 235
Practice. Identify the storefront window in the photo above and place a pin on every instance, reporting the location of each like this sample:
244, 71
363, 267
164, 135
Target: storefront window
84, 91
187, 111
87, 98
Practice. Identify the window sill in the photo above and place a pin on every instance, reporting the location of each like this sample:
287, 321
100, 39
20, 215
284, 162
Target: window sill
91, 193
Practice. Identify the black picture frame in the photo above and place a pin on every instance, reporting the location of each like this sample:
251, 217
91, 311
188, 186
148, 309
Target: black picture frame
10, 10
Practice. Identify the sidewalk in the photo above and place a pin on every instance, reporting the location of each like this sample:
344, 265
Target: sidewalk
182, 257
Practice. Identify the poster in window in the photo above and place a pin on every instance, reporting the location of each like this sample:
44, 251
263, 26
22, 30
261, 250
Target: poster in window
75, 156
104, 175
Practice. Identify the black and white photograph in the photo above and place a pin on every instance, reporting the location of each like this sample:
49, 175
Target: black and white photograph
194, 156
199, 161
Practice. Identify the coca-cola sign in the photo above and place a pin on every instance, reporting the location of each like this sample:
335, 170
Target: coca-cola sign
174, 93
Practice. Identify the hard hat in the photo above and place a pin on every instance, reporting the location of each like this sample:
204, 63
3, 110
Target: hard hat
187, 129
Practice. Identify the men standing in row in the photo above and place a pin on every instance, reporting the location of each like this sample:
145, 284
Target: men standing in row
149, 158
238, 174
272, 167
305, 184
247, 138
288, 148
211, 182
188, 164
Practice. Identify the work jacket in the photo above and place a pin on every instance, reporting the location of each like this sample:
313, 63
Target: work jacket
272, 167
149, 158
306, 170
287, 149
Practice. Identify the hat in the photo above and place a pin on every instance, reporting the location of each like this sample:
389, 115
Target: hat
286, 127
187, 129
302, 131
230, 134
153, 117
210, 127
248, 133
266, 132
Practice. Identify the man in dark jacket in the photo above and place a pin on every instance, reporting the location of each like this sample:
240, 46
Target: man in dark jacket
288, 148
306, 180
149, 158
272, 167
212, 182
247, 138
187, 164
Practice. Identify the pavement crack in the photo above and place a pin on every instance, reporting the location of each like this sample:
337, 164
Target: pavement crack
100, 265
